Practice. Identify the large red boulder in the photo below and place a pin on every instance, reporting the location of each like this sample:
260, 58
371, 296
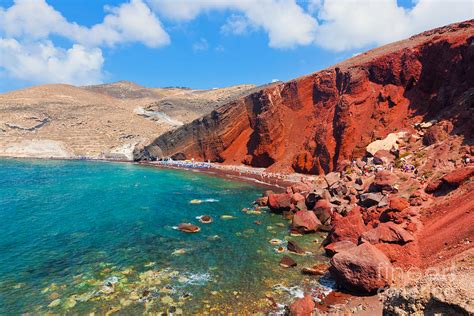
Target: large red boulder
387, 233
305, 222
347, 228
362, 269
302, 306
279, 202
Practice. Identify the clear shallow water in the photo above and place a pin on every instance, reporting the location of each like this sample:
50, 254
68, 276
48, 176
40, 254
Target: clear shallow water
80, 237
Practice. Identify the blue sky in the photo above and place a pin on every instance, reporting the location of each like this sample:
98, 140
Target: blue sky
199, 44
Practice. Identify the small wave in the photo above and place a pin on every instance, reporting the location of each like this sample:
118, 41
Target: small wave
294, 291
195, 279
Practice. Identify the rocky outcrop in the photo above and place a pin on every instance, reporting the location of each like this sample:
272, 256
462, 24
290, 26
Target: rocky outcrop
313, 123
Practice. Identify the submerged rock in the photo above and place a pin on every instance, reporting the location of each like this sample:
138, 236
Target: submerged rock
287, 262
293, 247
205, 219
188, 228
318, 269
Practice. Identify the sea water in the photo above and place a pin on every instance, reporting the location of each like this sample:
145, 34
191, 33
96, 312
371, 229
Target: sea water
80, 237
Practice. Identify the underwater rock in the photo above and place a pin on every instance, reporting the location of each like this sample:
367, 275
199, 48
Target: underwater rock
293, 247
318, 269
226, 217
55, 303
287, 262
188, 228
205, 219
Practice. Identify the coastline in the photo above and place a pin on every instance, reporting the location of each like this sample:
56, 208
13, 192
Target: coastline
258, 176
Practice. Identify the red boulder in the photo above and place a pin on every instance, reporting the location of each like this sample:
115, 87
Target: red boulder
339, 246
362, 269
302, 306
387, 233
279, 202
323, 210
384, 181
305, 221
347, 228
398, 204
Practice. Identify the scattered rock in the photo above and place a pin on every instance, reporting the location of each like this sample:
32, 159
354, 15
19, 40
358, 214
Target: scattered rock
287, 262
370, 199
362, 269
384, 181
436, 133
452, 180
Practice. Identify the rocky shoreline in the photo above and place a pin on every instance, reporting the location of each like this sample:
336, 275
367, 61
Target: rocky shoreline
375, 212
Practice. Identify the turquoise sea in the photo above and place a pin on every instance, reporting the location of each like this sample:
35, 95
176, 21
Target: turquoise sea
80, 237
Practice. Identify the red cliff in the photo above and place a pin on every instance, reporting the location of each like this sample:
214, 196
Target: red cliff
311, 123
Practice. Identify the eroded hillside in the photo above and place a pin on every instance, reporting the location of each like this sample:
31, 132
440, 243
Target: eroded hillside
103, 121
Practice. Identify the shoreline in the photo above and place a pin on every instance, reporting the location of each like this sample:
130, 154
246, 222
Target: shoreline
241, 173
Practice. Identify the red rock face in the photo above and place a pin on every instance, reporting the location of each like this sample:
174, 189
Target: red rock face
310, 124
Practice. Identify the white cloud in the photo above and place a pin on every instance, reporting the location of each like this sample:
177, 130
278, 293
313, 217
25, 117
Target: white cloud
286, 23
237, 24
41, 62
26, 28
201, 45
129, 22
336, 25
350, 24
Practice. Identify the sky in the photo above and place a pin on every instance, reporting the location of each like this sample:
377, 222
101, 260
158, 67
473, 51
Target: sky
200, 44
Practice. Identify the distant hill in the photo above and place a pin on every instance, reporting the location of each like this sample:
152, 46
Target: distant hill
99, 121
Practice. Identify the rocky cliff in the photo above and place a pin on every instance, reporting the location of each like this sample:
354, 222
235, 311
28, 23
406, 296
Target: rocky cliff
312, 123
